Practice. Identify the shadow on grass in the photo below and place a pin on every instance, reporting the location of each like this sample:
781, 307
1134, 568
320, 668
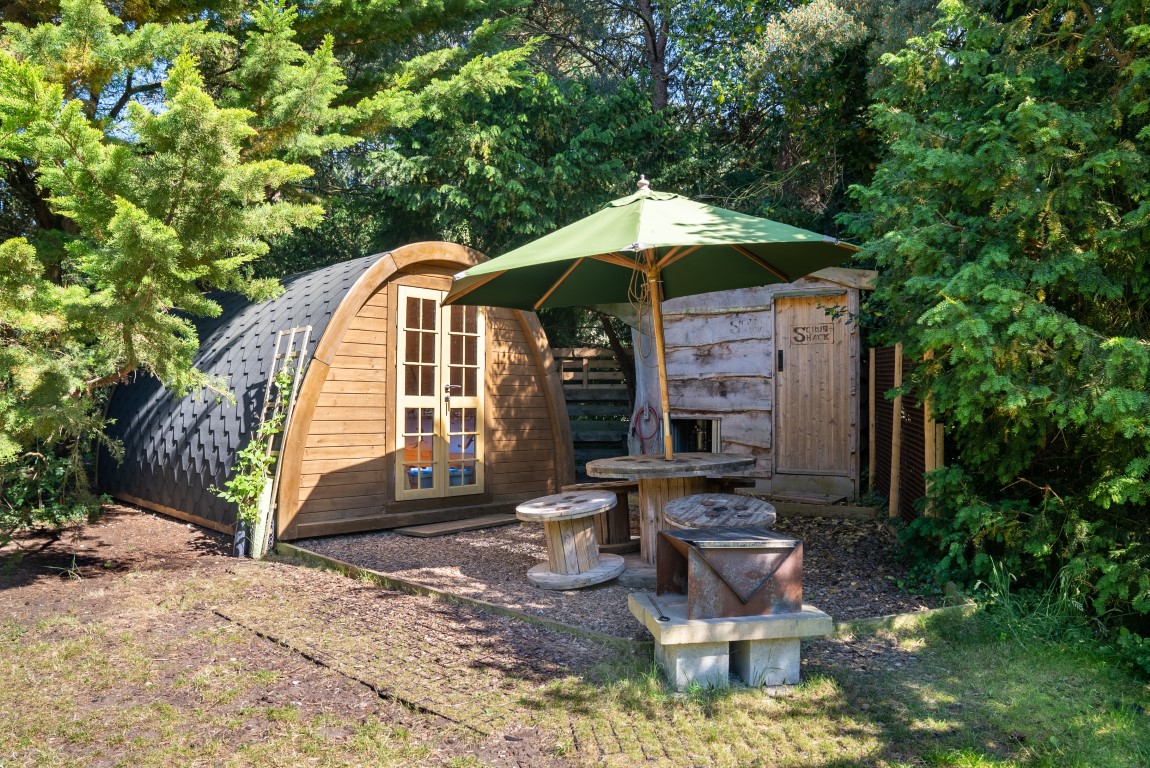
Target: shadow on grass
949, 693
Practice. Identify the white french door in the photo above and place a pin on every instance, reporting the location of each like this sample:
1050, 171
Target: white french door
439, 391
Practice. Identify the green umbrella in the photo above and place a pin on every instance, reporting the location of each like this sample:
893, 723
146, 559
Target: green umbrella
663, 243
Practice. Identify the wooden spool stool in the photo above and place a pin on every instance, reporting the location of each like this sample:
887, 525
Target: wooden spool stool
573, 558
613, 527
719, 510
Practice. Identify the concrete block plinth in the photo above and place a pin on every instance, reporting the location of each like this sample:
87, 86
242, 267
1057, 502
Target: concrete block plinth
766, 662
705, 664
759, 650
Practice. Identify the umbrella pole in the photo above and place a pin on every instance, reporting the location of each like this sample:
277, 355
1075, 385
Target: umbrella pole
656, 293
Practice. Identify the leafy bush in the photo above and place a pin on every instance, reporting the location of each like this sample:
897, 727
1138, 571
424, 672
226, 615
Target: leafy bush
1097, 560
38, 490
1009, 222
1135, 649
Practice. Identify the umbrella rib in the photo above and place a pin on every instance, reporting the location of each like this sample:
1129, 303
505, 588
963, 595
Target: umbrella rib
675, 254
617, 260
557, 283
475, 286
762, 263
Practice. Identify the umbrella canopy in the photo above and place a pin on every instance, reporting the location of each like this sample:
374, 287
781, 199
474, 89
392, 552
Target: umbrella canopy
668, 244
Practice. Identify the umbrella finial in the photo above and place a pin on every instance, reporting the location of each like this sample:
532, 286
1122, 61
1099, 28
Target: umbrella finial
643, 183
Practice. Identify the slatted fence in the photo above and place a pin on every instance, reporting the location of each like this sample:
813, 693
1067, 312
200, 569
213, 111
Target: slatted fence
905, 441
597, 403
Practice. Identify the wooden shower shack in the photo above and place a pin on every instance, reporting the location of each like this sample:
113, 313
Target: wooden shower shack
408, 412
767, 372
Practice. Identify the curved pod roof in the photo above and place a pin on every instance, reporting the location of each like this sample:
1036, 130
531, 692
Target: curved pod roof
177, 449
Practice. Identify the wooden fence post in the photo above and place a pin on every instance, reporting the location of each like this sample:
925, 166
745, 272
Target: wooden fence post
896, 435
871, 424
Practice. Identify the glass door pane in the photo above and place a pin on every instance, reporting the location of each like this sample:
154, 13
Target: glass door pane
419, 468
439, 397
464, 382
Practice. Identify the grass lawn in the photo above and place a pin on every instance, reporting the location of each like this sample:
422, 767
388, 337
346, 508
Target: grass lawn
136, 643
966, 698
158, 682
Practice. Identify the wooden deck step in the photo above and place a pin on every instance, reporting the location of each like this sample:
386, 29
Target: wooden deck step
457, 526
808, 498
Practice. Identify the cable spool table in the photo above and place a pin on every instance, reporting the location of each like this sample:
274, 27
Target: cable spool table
661, 481
573, 557
719, 510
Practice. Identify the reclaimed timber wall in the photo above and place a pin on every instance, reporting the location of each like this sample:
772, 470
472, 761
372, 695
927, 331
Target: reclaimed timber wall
721, 364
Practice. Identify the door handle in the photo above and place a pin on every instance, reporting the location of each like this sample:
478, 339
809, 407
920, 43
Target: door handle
780, 360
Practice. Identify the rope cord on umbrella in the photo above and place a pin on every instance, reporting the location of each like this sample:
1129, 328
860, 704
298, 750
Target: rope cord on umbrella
639, 296
645, 412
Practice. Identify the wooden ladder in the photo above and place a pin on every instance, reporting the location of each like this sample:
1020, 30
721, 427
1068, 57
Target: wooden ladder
291, 349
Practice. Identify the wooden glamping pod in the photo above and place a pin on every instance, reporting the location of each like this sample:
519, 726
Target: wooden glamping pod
408, 412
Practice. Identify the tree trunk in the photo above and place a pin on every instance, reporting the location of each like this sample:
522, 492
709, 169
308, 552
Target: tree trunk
655, 33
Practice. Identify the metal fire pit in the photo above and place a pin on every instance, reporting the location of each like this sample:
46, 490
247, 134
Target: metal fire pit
727, 572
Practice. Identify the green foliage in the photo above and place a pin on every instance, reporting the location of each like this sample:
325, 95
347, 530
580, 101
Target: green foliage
500, 170
1009, 219
255, 461
146, 160
1054, 613
39, 491
1134, 648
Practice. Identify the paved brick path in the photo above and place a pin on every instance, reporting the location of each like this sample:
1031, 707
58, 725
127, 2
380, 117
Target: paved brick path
466, 666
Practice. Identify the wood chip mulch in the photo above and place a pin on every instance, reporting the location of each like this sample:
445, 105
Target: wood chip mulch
850, 570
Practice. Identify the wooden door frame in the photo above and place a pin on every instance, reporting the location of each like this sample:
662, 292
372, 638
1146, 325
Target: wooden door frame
852, 299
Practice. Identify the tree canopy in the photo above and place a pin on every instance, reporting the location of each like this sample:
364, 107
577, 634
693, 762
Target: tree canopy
1009, 222
144, 163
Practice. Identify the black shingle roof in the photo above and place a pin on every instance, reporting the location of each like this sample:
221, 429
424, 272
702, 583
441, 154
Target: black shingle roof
175, 449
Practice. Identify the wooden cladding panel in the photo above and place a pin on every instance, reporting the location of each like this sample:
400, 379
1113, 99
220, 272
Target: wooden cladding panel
375, 374
348, 493
345, 361
359, 349
374, 336
342, 439
342, 474
337, 401
730, 394
520, 439
335, 413
371, 311
371, 386
348, 453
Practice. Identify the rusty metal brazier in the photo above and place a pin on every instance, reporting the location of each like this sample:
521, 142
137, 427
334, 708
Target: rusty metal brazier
728, 572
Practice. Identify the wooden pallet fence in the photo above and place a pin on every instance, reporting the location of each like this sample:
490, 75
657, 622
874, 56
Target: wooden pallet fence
597, 403
905, 440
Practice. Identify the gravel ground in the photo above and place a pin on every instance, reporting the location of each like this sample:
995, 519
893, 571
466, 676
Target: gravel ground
849, 571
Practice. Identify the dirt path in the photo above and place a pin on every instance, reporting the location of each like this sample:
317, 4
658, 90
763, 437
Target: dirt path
238, 654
